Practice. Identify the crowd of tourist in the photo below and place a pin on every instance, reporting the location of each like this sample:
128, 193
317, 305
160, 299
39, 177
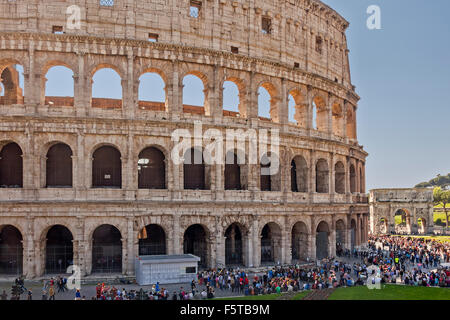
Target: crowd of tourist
400, 260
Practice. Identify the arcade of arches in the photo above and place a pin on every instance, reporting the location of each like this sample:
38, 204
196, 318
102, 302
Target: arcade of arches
110, 247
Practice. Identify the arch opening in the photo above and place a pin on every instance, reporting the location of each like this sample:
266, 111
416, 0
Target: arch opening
152, 169
352, 179
107, 168
234, 249
340, 237
195, 242
322, 241
322, 176
231, 99
152, 241
299, 242
402, 221
11, 251
299, 174
59, 87
233, 178
194, 95
11, 166
58, 250
107, 89
339, 178
271, 244
196, 173
12, 89
106, 250
152, 93
59, 166
353, 230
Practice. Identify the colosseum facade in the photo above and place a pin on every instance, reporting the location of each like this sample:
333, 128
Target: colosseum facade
90, 181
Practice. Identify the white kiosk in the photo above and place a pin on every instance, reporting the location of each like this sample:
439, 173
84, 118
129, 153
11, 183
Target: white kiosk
166, 269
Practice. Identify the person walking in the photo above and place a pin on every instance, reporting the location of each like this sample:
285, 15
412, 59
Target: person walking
51, 292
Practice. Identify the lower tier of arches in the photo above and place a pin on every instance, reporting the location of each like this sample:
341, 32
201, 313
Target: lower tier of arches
40, 246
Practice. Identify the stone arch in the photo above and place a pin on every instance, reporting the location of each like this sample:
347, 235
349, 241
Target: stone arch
322, 240
59, 167
352, 179
271, 243
402, 220
107, 102
11, 90
274, 103
235, 249
242, 95
152, 171
320, 113
299, 241
362, 188
196, 241
196, 174
11, 166
270, 175
383, 225
337, 114
152, 240
340, 236
106, 167
59, 253
59, 99
153, 104
197, 109
322, 174
299, 174
351, 122
300, 108
339, 177
11, 250
353, 234
106, 249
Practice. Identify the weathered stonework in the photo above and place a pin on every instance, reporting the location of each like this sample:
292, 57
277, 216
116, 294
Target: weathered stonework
416, 203
286, 61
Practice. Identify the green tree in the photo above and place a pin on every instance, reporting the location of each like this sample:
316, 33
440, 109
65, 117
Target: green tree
442, 197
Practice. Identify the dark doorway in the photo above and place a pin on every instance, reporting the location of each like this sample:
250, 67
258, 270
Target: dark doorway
152, 169
106, 250
152, 241
195, 243
266, 179
233, 245
11, 166
194, 170
294, 187
11, 251
59, 166
107, 168
59, 250
322, 241
232, 172
299, 242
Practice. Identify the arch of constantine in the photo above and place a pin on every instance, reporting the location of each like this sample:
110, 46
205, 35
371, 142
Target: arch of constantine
401, 211
90, 180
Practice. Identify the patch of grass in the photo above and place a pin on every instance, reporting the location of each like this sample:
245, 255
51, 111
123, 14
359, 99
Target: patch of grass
391, 292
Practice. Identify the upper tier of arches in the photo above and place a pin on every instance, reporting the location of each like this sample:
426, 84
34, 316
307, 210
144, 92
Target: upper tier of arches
104, 83
304, 33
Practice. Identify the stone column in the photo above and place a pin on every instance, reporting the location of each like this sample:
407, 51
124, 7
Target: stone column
312, 175
344, 121
332, 236
175, 93
312, 240
80, 85
128, 101
252, 105
177, 236
124, 256
132, 242
220, 251
331, 177
330, 114
215, 105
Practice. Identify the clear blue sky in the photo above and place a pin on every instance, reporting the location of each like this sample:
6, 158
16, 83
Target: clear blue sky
401, 72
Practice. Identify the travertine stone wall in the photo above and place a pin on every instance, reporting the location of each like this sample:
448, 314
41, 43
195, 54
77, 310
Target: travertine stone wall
116, 37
